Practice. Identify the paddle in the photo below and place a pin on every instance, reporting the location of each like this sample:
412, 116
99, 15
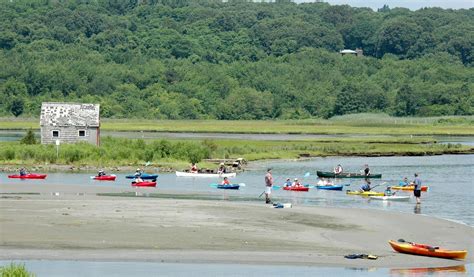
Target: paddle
429, 247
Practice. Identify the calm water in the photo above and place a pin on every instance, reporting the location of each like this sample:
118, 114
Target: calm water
76, 268
449, 177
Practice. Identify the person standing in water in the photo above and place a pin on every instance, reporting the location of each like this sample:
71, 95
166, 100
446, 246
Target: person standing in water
417, 190
268, 186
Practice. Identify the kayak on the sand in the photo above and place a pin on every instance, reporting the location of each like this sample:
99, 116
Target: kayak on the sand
29, 176
144, 176
426, 250
423, 188
144, 184
391, 198
364, 193
296, 188
104, 178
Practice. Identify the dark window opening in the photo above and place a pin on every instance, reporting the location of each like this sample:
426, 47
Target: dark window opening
55, 134
82, 133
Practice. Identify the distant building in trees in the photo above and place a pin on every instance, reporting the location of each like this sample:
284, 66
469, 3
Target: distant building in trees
70, 123
358, 52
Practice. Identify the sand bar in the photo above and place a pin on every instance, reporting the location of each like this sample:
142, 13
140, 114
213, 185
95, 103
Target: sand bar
73, 223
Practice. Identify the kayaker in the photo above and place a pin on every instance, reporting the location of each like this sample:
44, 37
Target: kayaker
388, 192
194, 168
288, 182
367, 170
221, 168
101, 173
268, 186
417, 190
324, 182
296, 183
366, 186
23, 171
138, 172
405, 182
338, 169
225, 181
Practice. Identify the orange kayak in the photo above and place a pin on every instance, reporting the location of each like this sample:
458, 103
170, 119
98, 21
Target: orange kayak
423, 188
426, 250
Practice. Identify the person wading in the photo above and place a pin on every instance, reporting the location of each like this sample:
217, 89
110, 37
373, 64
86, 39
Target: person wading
268, 186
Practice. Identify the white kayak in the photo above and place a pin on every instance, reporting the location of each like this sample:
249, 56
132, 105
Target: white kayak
391, 198
205, 175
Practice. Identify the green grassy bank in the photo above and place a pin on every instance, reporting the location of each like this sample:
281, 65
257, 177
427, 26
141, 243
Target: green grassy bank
178, 153
372, 124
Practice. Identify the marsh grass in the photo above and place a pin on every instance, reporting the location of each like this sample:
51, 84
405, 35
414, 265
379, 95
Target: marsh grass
15, 270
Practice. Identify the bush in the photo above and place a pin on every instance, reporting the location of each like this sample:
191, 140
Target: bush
29, 138
15, 270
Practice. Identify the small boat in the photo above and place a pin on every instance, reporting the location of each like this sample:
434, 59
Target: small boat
391, 198
423, 188
144, 176
205, 175
29, 176
144, 184
296, 188
104, 178
364, 193
330, 187
229, 186
328, 174
426, 250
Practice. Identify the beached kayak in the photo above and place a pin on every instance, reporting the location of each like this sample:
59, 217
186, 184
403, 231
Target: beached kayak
104, 178
328, 174
204, 175
296, 188
423, 188
391, 198
144, 176
144, 184
29, 176
364, 193
230, 186
334, 187
426, 250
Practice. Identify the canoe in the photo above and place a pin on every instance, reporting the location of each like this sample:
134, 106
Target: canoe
144, 184
230, 186
144, 176
204, 175
364, 193
328, 174
296, 188
423, 188
426, 250
29, 176
104, 178
391, 198
334, 187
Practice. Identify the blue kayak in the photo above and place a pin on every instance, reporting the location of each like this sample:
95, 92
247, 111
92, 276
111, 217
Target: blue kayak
335, 187
144, 176
230, 186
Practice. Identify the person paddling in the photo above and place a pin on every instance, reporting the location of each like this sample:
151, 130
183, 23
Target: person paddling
194, 168
288, 182
101, 173
23, 171
225, 182
366, 186
296, 183
338, 169
366, 170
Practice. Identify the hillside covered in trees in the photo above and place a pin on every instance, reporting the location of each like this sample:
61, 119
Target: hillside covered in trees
191, 59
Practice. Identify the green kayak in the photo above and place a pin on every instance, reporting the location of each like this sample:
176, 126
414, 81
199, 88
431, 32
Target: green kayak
327, 174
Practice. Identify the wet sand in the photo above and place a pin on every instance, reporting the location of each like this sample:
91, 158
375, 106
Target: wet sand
73, 223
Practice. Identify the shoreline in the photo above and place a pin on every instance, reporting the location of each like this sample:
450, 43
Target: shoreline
76, 225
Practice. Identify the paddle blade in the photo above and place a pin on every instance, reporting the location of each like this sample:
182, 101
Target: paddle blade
307, 174
242, 184
276, 187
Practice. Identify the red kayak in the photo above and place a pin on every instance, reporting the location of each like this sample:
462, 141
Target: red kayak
29, 176
105, 178
144, 184
296, 188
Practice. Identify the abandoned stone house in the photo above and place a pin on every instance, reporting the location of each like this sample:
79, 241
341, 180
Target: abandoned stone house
70, 123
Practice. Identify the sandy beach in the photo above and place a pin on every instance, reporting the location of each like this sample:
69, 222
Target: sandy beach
73, 223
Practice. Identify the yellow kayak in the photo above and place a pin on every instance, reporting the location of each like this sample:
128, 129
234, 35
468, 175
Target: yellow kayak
364, 193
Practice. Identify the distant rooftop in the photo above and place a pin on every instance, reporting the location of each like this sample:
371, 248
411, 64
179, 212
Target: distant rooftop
69, 114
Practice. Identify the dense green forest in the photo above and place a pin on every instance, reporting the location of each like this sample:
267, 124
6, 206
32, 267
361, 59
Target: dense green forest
199, 59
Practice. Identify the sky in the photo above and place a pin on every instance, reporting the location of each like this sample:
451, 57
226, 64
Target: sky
410, 4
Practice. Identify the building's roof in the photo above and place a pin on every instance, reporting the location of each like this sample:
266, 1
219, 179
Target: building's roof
69, 114
348, 51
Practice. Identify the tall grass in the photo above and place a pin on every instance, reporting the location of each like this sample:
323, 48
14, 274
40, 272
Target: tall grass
15, 270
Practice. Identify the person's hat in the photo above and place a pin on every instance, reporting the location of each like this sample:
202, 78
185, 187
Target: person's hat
288, 179
221, 164
269, 169
296, 179
138, 169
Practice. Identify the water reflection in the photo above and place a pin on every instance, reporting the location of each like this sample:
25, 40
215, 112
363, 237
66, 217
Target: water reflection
439, 271
417, 209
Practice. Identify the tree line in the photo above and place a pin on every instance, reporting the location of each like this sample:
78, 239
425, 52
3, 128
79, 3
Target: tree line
183, 59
